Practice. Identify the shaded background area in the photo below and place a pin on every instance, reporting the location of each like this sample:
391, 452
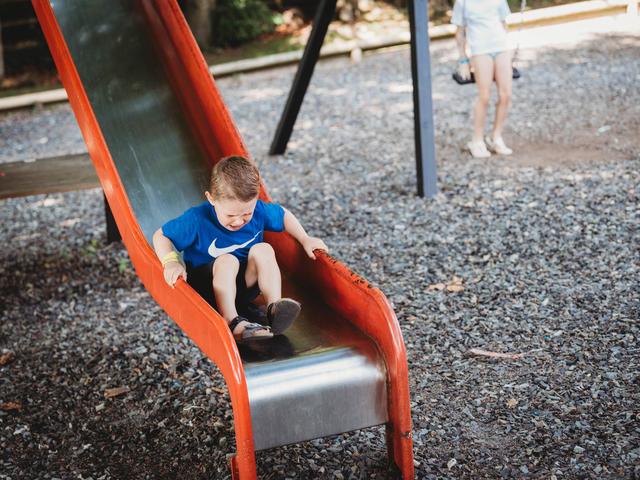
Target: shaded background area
225, 29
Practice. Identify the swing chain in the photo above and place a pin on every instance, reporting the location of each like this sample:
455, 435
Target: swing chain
523, 5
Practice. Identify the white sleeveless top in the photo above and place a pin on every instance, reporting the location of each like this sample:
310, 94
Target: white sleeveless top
483, 19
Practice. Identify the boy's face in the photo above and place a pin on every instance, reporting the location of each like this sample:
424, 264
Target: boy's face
233, 214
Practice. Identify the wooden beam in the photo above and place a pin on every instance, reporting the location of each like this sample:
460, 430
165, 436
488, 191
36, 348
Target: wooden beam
47, 175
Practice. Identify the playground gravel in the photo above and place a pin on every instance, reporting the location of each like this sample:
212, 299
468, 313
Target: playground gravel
535, 256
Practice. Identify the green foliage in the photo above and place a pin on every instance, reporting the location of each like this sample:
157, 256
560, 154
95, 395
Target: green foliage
124, 265
91, 248
238, 21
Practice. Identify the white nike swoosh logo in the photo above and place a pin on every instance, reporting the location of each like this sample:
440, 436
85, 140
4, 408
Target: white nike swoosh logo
216, 252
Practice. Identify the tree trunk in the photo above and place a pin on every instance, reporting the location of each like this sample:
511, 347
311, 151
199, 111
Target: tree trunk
198, 15
1, 55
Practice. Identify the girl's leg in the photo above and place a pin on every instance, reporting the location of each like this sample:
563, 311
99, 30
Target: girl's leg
483, 72
503, 75
225, 270
262, 268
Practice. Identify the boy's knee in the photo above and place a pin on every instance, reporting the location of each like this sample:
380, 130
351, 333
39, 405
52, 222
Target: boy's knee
225, 263
261, 250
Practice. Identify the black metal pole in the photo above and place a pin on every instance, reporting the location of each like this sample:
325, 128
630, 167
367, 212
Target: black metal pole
323, 17
113, 234
422, 99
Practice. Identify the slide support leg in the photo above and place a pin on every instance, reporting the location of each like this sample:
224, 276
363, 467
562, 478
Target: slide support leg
113, 234
324, 15
233, 463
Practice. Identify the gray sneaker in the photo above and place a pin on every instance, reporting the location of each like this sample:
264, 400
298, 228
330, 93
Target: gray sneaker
281, 314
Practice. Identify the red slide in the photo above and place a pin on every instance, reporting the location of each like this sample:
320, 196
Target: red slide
154, 123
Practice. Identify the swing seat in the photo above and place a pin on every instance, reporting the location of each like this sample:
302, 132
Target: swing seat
461, 81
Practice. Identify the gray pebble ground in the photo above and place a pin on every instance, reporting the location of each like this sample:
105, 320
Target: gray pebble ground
545, 244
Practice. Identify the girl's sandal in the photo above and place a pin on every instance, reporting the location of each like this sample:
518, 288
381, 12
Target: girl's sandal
498, 146
251, 330
478, 149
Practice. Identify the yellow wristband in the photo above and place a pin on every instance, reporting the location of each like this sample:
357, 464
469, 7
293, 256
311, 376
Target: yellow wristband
170, 257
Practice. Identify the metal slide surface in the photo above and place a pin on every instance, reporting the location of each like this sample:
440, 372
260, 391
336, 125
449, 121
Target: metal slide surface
137, 118
161, 166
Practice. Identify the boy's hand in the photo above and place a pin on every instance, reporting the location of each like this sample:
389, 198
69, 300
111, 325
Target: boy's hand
312, 243
173, 271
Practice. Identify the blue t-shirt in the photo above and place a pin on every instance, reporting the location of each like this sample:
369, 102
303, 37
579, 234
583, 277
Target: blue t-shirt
202, 238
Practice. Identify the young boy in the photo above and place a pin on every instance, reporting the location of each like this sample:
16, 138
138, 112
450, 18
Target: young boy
226, 259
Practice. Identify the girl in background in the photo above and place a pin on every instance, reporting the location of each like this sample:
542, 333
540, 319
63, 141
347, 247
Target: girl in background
482, 28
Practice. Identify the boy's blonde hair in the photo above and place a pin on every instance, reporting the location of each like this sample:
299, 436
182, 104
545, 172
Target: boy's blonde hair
235, 178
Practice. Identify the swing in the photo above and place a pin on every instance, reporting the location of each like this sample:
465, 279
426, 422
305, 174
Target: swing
461, 81
516, 73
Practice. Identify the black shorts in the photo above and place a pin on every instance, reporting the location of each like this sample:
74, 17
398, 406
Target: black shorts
201, 280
